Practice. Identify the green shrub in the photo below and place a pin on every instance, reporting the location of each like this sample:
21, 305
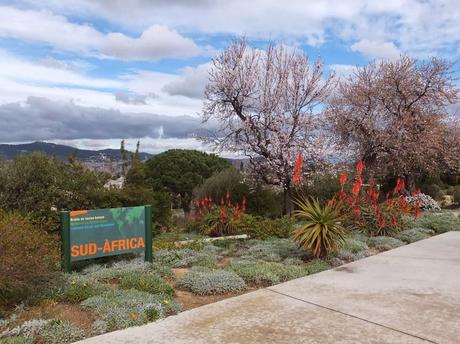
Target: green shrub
264, 201
34, 183
103, 273
261, 201
207, 282
350, 256
455, 192
262, 273
322, 186
187, 257
16, 340
439, 223
273, 250
61, 332
433, 190
125, 308
28, 259
322, 231
150, 283
317, 265
214, 224
98, 327
229, 180
261, 228
384, 243
28, 330
76, 288
414, 234
354, 246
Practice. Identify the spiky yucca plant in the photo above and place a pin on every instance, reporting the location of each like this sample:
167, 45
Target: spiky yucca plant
321, 231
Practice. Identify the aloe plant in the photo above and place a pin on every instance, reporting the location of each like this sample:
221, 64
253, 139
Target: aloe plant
321, 230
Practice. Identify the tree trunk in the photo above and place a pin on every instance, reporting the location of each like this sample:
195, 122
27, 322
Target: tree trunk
186, 207
410, 183
287, 200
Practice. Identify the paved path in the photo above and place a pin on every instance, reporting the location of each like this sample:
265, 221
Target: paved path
407, 295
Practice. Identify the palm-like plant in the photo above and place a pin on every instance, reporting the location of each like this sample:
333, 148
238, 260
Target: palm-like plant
321, 231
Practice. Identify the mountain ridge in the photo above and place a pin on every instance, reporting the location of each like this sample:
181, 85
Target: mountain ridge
10, 151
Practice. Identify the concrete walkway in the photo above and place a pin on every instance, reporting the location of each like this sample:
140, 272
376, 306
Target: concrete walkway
407, 295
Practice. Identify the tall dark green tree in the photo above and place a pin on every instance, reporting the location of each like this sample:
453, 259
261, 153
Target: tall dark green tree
124, 158
179, 171
135, 177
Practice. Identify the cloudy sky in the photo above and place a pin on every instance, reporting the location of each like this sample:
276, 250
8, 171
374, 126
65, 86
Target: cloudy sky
91, 72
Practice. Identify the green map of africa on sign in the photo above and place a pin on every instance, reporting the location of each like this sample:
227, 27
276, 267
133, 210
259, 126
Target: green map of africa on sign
128, 217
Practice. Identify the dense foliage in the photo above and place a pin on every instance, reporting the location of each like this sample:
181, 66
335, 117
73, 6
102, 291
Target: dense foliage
321, 230
28, 258
179, 171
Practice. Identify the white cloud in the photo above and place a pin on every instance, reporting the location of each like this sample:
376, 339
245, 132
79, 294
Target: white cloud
416, 27
342, 70
154, 43
376, 49
51, 72
192, 82
135, 91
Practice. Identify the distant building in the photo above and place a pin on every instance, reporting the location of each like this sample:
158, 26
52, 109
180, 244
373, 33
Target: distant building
115, 183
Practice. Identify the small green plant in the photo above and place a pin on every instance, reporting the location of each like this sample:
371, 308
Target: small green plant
61, 332
16, 340
262, 228
354, 246
440, 223
125, 308
273, 250
321, 230
99, 327
384, 243
262, 273
150, 283
187, 257
76, 288
104, 273
317, 265
206, 282
28, 330
414, 234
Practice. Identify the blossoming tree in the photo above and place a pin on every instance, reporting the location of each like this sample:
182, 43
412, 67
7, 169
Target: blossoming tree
265, 103
395, 117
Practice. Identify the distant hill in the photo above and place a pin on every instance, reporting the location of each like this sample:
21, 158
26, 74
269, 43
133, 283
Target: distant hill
63, 152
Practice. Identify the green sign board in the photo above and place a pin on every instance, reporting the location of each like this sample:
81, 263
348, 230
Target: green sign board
88, 234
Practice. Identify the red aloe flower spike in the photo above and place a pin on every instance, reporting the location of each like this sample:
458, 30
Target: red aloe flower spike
356, 210
297, 170
399, 186
417, 210
359, 167
222, 201
382, 222
227, 195
343, 179
356, 188
238, 214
